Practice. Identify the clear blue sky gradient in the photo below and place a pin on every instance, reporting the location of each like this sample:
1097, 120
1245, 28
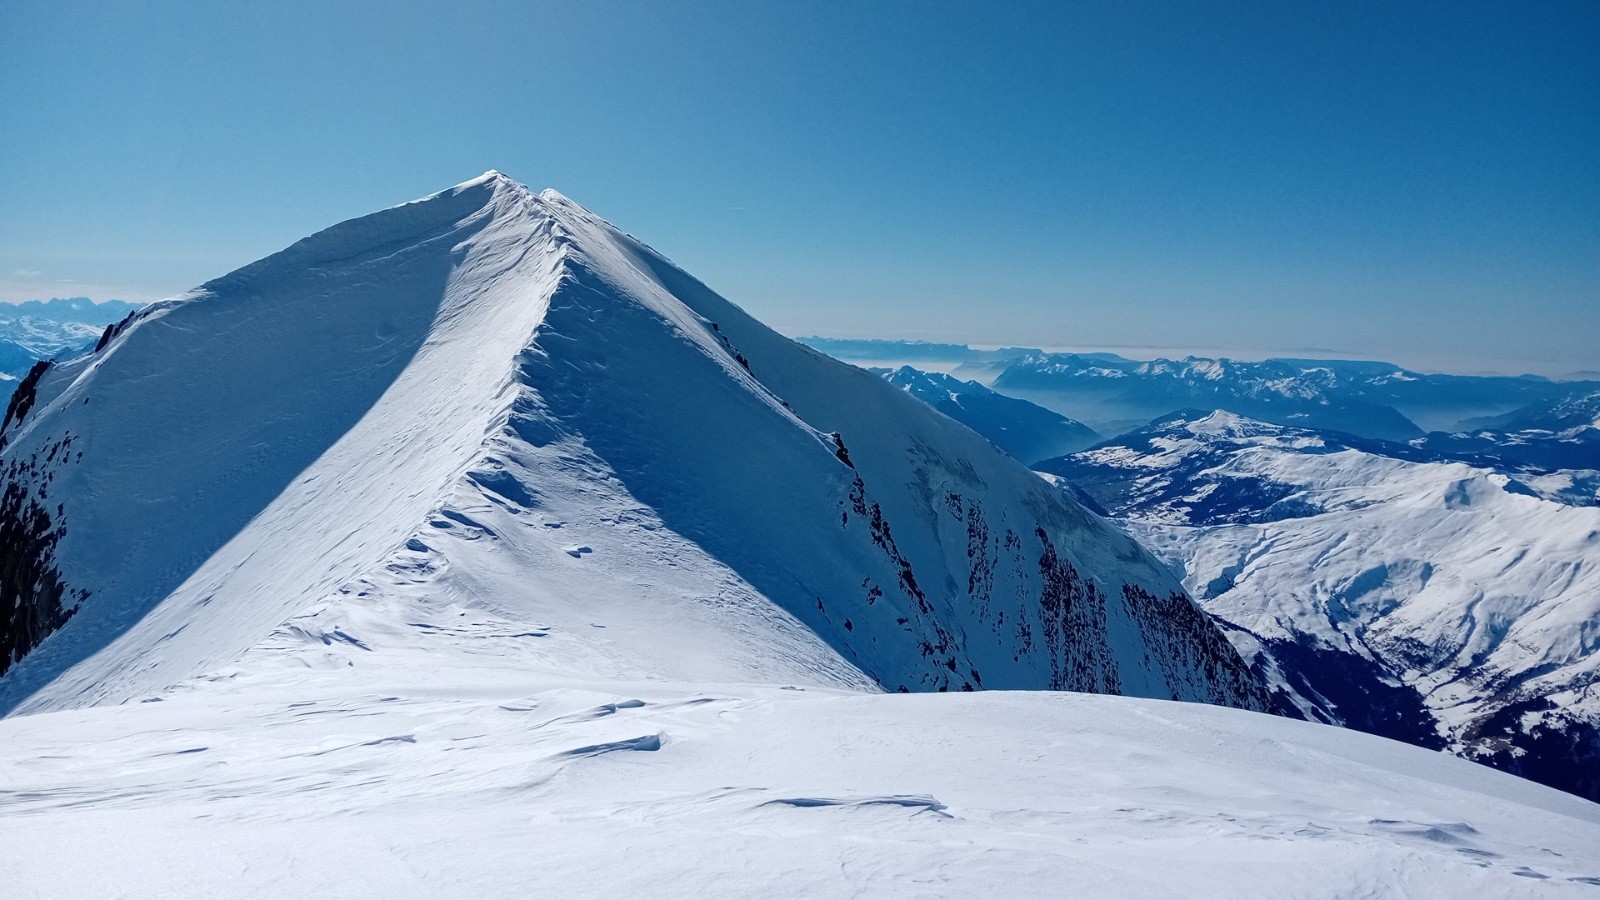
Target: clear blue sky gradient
1416, 181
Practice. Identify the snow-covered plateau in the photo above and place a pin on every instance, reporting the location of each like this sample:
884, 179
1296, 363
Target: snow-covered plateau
472, 547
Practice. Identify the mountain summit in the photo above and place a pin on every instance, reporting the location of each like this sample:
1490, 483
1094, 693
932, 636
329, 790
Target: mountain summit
492, 401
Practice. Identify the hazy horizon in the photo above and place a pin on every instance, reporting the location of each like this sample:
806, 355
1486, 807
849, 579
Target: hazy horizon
1414, 361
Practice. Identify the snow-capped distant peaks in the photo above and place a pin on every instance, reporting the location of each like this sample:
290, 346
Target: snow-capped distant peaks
1224, 425
1222, 422
1417, 597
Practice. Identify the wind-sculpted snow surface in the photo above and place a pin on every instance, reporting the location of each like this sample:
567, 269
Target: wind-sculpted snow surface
1435, 602
501, 379
391, 745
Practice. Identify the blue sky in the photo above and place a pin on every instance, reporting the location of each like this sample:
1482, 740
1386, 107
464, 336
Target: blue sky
1415, 181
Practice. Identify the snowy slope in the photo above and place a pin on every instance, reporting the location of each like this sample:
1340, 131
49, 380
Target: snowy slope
1025, 430
1435, 602
471, 756
519, 406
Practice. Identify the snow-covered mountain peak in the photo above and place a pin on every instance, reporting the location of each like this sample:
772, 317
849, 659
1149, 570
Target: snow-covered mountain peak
494, 399
490, 177
1221, 423
489, 211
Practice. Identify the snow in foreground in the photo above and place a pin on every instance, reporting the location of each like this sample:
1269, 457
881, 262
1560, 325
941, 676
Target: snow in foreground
461, 759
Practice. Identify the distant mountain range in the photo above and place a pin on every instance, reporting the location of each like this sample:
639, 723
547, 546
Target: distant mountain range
1563, 433
1381, 586
1113, 394
1025, 430
1440, 590
70, 309
49, 329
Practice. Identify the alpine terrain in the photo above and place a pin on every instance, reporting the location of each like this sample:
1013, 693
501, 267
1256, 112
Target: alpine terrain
471, 546
1367, 398
1563, 433
1022, 429
38, 330
1382, 586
